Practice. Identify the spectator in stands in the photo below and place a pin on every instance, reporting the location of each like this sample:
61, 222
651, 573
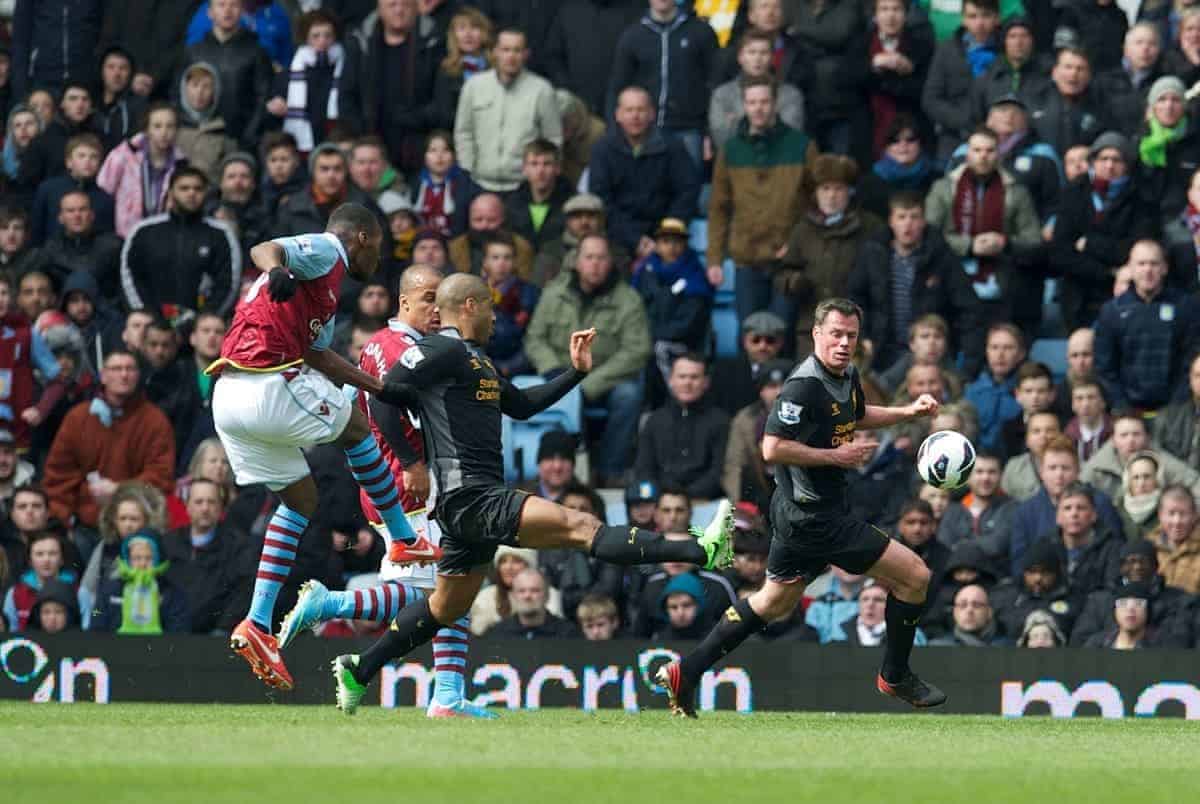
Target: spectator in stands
744, 474
583, 215
202, 136
1144, 336
983, 514
1039, 585
137, 173
1020, 480
243, 69
881, 487
78, 244
140, 598
83, 155
1072, 112
960, 63
834, 596
826, 33
555, 464
1090, 551
823, 245
369, 169
237, 201
268, 19
598, 618
21, 129
1132, 612
531, 619
486, 219
205, 256
1035, 517
969, 564
14, 472
45, 563
678, 295
1019, 72
1131, 437
990, 222
506, 108
28, 515
118, 436
1041, 631
1075, 162
1171, 611
470, 40
388, 82
306, 94
1176, 427
755, 57
903, 166
1126, 85
1100, 217
1183, 58
284, 173
975, 624
594, 296
672, 55
897, 59
683, 442
1180, 236
641, 174
681, 603
581, 46
1091, 426
750, 548
757, 195
36, 293
1081, 364
1177, 539
514, 301
165, 380
641, 500
921, 378
915, 528
307, 209
928, 345
535, 209
56, 610
45, 157
1168, 149
1099, 26
868, 627
581, 131
53, 44
134, 506
903, 275
494, 603
992, 391
734, 378
1034, 393
443, 191
1141, 488
429, 248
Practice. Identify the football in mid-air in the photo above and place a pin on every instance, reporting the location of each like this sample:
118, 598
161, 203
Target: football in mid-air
945, 460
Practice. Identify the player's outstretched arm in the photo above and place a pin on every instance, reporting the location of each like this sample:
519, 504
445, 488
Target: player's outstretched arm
878, 416
522, 403
341, 371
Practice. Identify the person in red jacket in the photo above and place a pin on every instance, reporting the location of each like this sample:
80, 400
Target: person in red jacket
117, 436
22, 350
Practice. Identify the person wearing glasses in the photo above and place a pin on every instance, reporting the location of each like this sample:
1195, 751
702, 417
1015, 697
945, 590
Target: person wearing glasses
734, 378
975, 623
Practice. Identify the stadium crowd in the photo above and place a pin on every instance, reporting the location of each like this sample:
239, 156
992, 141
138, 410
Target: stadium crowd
987, 180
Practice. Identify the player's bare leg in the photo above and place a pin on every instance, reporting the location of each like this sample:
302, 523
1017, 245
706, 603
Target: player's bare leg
252, 638
907, 576
774, 601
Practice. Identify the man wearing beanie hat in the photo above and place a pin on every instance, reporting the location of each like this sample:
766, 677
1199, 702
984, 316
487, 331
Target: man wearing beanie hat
237, 199
1097, 210
1041, 585
1170, 610
1124, 86
1072, 112
330, 187
1129, 623
555, 464
1168, 148
744, 475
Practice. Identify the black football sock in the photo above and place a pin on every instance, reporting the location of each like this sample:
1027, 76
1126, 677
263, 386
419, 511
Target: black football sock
625, 544
412, 628
737, 624
901, 621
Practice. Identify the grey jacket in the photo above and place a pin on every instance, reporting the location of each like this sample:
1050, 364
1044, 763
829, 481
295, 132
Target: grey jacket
958, 525
1020, 479
1175, 429
1105, 472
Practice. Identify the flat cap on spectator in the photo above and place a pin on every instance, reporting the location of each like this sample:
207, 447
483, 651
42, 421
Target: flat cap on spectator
1010, 98
583, 202
764, 323
240, 156
323, 148
391, 201
556, 444
1017, 21
671, 227
774, 372
1113, 139
641, 491
1166, 84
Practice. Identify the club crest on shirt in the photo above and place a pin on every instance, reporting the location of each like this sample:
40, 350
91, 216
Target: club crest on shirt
411, 357
789, 412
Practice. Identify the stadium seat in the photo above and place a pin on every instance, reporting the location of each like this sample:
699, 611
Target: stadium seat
520, 439
698, 230
567, 412
725, 327
1052, 352
725, 291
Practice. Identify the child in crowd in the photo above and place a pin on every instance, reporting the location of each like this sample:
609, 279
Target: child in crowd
137, 173
46, 563
513, 300
285, 173
139, 599
1091, 426
83, 156
597, 617
1034, 393
402, 223
938, 499
444, 190
306, 96
202, 136
928, 344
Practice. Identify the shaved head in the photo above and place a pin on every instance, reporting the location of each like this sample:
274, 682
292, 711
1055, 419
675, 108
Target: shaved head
416, 276
455, 289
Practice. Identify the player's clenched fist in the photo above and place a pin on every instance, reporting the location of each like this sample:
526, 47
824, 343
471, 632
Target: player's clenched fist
581, 349
924, 405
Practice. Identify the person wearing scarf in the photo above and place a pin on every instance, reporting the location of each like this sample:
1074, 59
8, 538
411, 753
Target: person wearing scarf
1142, 486
138, 599
977, 213
897, 58
1166, 121
312, 103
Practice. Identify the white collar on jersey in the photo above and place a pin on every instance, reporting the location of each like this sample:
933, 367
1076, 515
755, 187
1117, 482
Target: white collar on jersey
396, 325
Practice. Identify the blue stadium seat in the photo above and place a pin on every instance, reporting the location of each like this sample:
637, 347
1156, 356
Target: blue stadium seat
520, 451
1052, 352
566, 413
725, 291
699, 234
725, 327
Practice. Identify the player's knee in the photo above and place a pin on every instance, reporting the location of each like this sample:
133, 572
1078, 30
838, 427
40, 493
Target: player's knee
772, 602
446, 609
916, 580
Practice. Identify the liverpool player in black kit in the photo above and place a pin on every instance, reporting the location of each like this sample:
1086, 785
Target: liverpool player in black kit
810, 440
460, 398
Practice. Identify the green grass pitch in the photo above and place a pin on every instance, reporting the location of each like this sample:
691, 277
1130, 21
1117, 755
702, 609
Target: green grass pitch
182, 753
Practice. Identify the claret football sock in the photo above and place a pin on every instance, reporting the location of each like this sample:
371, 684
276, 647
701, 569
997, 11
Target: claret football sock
275, 564
414, 626
625, 544
375, 476
736, 625
901, 619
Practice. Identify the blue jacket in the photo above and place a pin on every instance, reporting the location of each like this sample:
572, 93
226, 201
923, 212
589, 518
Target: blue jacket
44, 220
270, 23
1142, 347
660, 181
1037, 516
996, 405
513, 306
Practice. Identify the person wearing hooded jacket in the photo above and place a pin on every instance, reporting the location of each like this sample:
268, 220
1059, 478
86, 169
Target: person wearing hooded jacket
1172, 611
203, 136
681, 608
119, 109
61, 594
1040, 586
139, 598
968, 564
1090, 552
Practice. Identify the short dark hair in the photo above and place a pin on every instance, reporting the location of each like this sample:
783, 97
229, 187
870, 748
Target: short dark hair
353, 218
188, 172
761, 81
500, 238
35, 489
984, 131
674, 491
222, 493
1033, 370
1073, 50
915, 504
988, 455
755, 35
543, 147
74, 191
1010, 328
1078, 489
581, 489
837, 305
369, 141
277, 139
86, 139
318, 16
161, 324
1131, 415
157, 106
692, 357
1090, 381
121, 351
992, 6
512, 30
906, 199
10, 213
